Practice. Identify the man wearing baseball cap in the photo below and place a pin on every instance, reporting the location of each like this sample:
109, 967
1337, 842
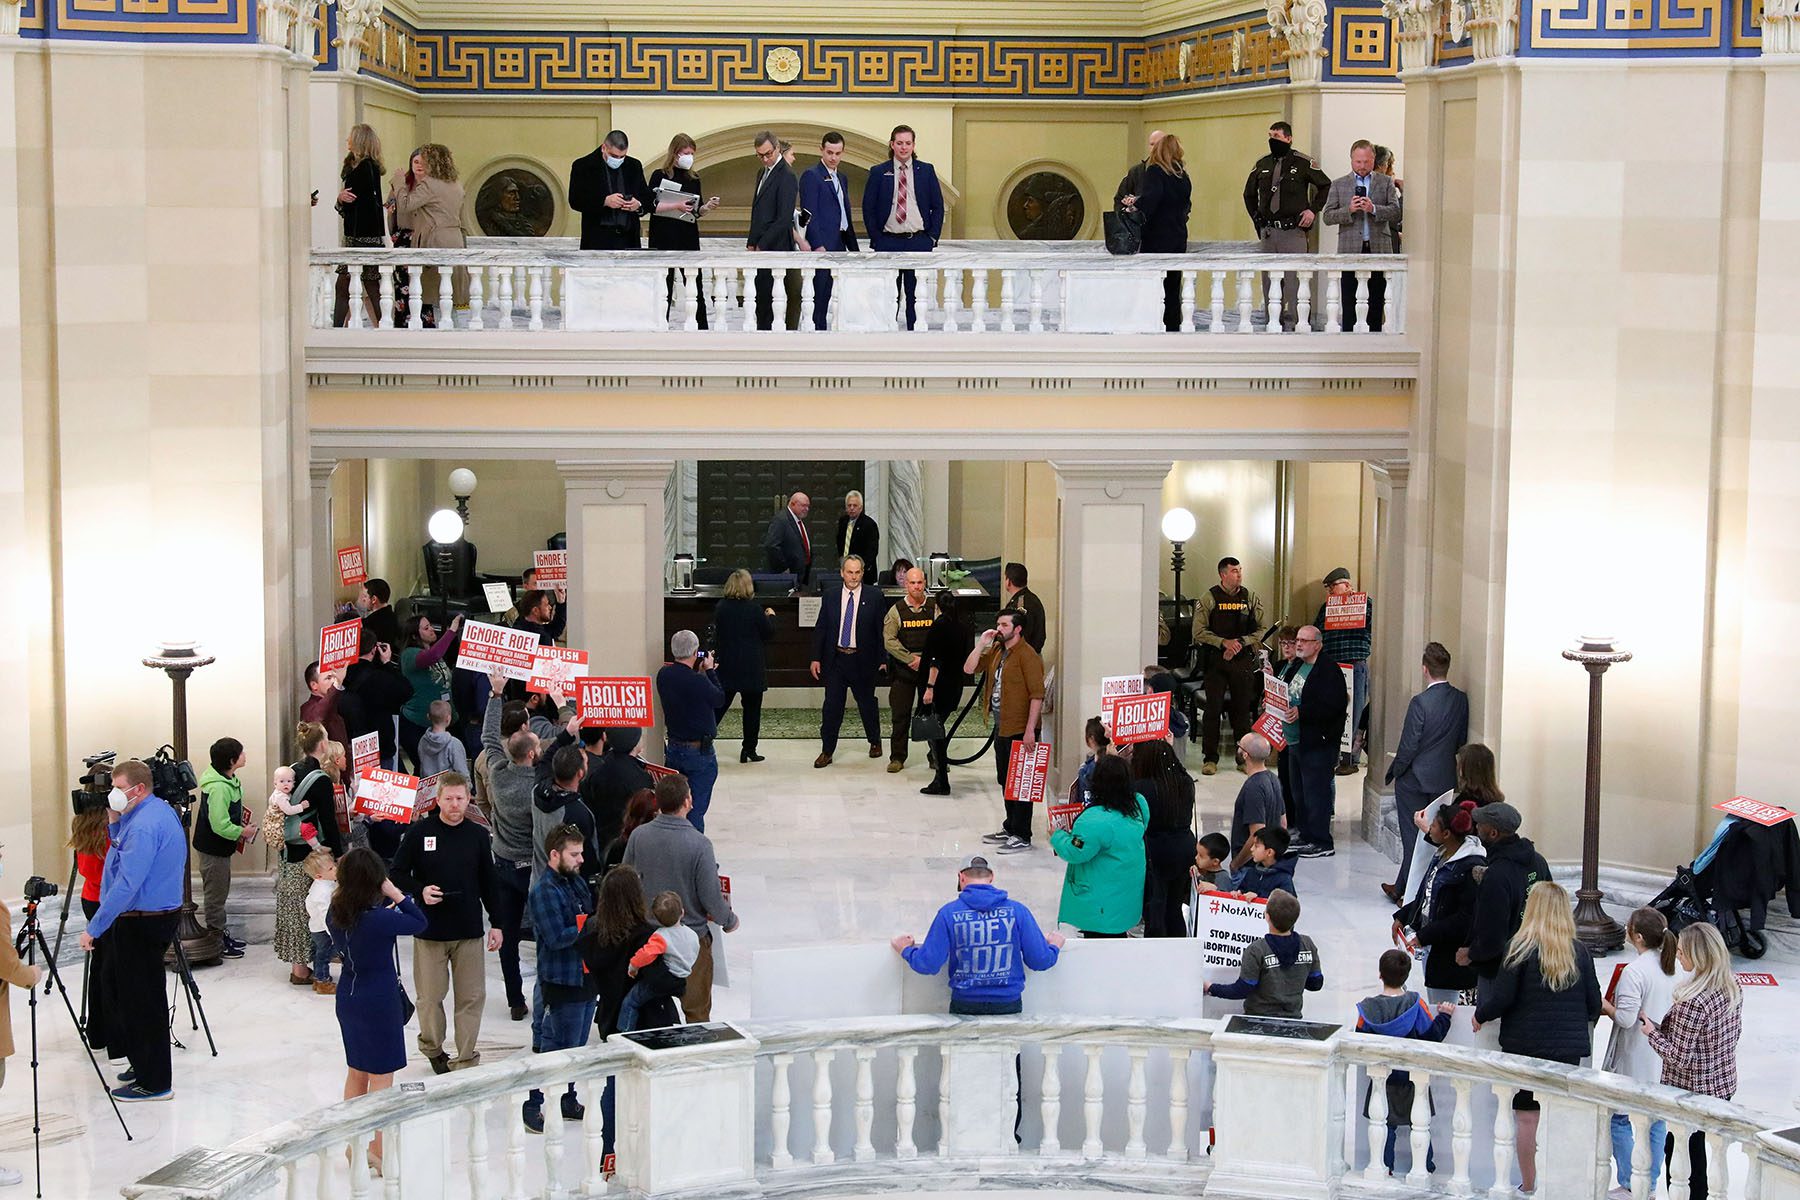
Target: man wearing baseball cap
1513, 865
987, 939
1349, 646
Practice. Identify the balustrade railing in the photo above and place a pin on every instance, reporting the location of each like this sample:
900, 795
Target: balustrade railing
960, 289
1026, 1101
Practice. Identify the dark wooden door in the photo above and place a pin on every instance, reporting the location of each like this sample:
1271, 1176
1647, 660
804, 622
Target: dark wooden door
738, 498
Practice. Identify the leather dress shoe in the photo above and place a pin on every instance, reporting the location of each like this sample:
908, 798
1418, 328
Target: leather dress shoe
824, 760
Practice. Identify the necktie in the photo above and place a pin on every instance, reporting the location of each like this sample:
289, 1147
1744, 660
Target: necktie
849, 619
900, 204
805, 541
764, 174
849, 532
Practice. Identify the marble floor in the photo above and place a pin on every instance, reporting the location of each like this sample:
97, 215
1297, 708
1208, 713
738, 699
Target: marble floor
845, 854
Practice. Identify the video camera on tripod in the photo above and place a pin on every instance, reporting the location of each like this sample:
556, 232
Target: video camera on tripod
171, 779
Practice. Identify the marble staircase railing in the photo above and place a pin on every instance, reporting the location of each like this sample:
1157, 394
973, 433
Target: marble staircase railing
1023, 1102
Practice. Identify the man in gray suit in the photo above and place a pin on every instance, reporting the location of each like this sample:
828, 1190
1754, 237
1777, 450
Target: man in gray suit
1365, 207
1424, 766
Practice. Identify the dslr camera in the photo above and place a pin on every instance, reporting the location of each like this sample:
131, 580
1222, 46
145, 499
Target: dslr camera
38, 888
95, 782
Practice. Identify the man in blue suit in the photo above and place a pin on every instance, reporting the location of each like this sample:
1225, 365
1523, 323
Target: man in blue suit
825, 193
1424, 767
903, 208
847, 650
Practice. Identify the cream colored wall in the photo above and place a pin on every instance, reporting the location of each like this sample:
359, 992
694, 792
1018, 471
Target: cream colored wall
1234, 506
1000, 145
518, 503
1222, 136
1333, 518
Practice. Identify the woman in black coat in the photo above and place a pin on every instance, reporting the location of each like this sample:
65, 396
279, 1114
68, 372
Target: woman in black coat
1169, 841
1440, 914
678, 233
947, 646
741, 628
1164, 203
365, 220
618, 929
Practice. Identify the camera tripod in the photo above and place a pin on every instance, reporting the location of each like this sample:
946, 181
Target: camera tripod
29, 942
196, 1010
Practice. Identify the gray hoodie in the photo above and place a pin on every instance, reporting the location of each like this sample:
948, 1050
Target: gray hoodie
441, 751
511, 799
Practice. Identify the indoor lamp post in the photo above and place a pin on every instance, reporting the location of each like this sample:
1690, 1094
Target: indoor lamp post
1593, 928
1178, 526
178, 660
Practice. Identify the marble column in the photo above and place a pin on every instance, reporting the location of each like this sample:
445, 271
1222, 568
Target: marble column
905, 510
1393, 664
616, 526
1109, 542
322, 577
681, 509
934, 503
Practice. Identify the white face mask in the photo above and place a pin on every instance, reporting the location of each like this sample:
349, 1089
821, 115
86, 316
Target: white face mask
614, 163
685, 161
117, 800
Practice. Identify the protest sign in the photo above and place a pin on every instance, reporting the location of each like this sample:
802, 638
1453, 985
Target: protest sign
1755, 979
614, 702
809, 611
1226, 926
556, 670
350, 565
383, 795
1114, 686
1028, 773
365, 753
339, 645
1275, 696
1347, 740
1269, 726
658, 771
426, 799
1754, 810
485, 648
1062, 816
1349, 611
499, 596
552, 568
1140, 718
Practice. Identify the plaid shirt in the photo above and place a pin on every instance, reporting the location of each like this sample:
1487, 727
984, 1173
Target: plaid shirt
555, 903
1698, 1044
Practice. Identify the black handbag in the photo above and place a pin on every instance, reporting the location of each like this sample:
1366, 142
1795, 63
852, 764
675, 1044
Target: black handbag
927, 726
1124, 231
407, 1007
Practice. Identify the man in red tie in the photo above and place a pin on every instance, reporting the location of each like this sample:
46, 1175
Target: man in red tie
903, 208
847, 651
787, 546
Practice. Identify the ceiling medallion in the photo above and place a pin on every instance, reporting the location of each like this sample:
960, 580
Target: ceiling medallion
782, 64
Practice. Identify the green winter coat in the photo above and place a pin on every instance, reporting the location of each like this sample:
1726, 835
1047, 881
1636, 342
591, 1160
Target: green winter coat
1103, 888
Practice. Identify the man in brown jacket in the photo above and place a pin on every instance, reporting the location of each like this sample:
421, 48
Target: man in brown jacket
1012, 680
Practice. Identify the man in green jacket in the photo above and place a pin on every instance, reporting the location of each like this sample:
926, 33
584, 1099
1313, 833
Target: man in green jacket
218, 828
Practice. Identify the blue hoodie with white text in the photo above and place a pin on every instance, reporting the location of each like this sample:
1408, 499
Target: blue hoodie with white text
988, 940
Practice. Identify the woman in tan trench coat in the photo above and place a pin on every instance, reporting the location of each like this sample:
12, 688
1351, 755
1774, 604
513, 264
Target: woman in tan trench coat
429, 201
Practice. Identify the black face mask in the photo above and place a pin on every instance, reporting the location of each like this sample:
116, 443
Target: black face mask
1277, 147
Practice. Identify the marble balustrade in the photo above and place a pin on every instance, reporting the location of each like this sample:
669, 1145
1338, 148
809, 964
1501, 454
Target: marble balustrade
976, 287
921, 1102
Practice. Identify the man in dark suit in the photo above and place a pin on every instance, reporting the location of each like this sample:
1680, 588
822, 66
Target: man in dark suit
787, 545
825, 193
1424, 766
857, 533
1317, 694
903, 208
771, 219
608, 189
847, 650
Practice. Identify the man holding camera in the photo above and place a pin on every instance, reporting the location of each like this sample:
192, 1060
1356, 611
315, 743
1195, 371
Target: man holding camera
1365, 207
140, 891
688, 689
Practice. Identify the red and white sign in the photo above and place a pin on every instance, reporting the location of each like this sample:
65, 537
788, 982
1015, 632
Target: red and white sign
1062, 816
339, 645
365, 753
657, 770
1140, 718
1028, 773
1349, 611
725, 887
1755, 979
1275, 696
1270, 727
614, 702
1754, 810
386, 795
484, 648
556, 670
1226, 926
426, 799
552, 568
1114, 686
350, 565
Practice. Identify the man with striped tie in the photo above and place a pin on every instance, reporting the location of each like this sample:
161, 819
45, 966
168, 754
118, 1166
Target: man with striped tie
903, 208
847, 650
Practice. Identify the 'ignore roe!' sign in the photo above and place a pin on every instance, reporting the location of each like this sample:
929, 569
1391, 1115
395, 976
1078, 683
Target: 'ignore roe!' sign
512, 652
614, 702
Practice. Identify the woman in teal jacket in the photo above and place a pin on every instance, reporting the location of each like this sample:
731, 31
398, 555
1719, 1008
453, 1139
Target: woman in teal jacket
1103, 888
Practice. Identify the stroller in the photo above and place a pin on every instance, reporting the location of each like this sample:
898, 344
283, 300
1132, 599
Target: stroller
1732, 880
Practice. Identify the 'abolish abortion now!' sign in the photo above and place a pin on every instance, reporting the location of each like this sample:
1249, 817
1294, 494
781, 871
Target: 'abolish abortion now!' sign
1140, 718
614, 703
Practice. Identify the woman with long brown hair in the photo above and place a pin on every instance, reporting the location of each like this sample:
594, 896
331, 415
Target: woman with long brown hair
429, 201
675, 221
618, 929
1169, 841
640, 809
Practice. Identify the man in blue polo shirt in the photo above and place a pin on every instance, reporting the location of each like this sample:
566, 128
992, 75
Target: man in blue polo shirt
987, 939
140, 891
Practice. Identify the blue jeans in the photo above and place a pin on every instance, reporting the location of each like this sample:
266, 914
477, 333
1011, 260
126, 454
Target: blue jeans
702, 770
321, 964
1622, 1142
631, 1008
564, 1026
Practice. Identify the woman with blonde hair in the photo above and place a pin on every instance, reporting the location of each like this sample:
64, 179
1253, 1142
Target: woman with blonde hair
675, 220
1698, 1037
1546, 998
429, 201
365, 221
1165, 202
741, 631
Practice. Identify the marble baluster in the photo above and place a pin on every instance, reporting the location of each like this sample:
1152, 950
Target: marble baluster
415, 311
822, 1154
446, 298
390, 1164
943, 1148
978, 300
1718, 1181
1643, 1156
710, 287
506, 302
1050, 1103
780, 1112
359, 1166
1093, 1094
906, 1090
1216, 303
1338, 1077
478, 1147
290, 1180
926, 299
1187, 300
1393, 319
747, 309
477, 298
1502, 1188
1035, 311
593, 1137
553, 1141
1462, 1137
355, 318
385, 314
1136, 1093
1753, 1171
953, 286
1419, 1175
1246, 292
1680, 1164
1362, 302
1376, 1171
806, 303
865, 1068
535, 281
325, 1188
319, 309
1007, 300
515, 1151
1334, 303
1303, 305
1178, 1103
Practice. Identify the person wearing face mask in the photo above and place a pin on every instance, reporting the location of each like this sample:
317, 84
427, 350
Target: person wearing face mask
675, 221
1284, 194
140, 893
1437, 916
607, 188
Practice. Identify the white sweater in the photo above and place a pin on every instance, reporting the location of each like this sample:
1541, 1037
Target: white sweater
1643, 991
318, 899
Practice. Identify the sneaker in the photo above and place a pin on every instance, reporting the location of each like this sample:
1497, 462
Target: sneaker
1209, 768
1013, 845
230, 950
128, 1076
440, 1064
572, 1109
533, 1116
131, 1093
997, 838
10, 1177
1311, 851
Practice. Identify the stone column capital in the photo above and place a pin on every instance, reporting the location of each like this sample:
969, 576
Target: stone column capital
1493, 28
355, 19
1781, 29
1301, 24
10, 11
1417, 24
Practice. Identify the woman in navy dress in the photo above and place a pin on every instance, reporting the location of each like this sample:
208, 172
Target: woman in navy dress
364, 928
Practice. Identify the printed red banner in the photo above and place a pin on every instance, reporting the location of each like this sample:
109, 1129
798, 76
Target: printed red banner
552, 568
657, 770
386, 795
1270, 727
1140, 718
1754, 810
1349, 611
426, 799
1028, 773
556, 670
340, 645
365, 753
1062, 816
485, 648
1755, 979
614, 701
350, 565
